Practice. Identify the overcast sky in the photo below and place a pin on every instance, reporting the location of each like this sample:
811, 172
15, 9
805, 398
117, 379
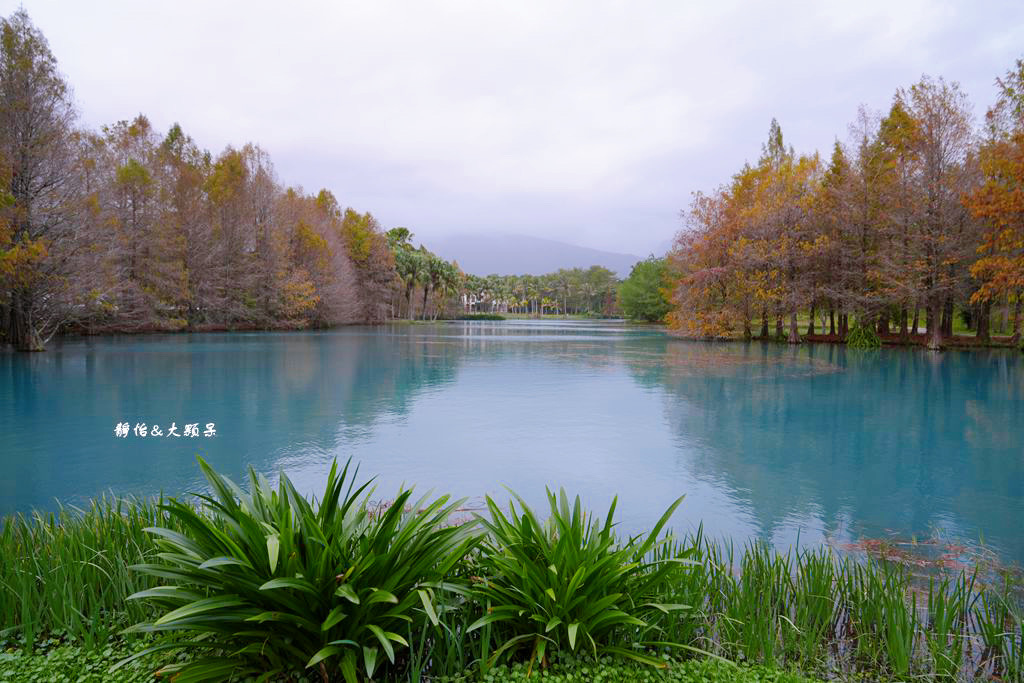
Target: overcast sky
590, 122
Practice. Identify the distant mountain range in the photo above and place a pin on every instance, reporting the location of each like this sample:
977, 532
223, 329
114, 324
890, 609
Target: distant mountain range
504, 254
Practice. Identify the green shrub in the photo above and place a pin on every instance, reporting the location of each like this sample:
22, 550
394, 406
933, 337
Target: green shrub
481, 316
568, 584
863, 337
267, 584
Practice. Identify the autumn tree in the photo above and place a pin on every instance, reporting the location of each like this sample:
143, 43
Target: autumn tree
942, 142
124, 229
752, 248
37, 188
139, 269
998, 202
834, 207
708, 295
183, 168
790, 231
861, 236
374, 262
897, 168
878, 233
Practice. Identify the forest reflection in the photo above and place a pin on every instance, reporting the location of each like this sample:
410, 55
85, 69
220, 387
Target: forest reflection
890, 443
766, 439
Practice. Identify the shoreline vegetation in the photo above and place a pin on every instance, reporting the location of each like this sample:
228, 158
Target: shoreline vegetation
264, 581
890, 339
125, 229
128, 229
911, 228
920, 340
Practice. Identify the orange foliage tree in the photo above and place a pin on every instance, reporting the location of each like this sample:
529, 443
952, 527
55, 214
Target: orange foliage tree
999, 201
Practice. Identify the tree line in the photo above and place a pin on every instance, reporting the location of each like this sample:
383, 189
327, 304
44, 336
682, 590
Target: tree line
437, 287
918, 218
128, 229
567, 291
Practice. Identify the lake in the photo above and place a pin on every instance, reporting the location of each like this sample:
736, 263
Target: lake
781, 443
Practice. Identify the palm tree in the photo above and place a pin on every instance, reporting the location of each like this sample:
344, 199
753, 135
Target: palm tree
437, 275
427, 277
562, 281
474, 291
448, 283
409, 263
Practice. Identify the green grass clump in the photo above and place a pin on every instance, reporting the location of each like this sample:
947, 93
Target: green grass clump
568, 584
267, 584
863, 337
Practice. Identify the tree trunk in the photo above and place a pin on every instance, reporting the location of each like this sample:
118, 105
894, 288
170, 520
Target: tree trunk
917, 320
832, 321
778, 327
947, 317
764, 324
426, 293
810, 325
794, 330
883, 322
934, 327
1016, 315
408, 301
903, 324
984, 316
20, 332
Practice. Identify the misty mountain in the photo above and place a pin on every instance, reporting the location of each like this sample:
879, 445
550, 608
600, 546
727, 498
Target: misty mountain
521, 254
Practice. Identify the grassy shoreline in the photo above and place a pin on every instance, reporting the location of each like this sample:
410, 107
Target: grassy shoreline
65, 577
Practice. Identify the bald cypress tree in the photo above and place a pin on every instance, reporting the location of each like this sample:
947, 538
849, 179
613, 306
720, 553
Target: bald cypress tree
36, 179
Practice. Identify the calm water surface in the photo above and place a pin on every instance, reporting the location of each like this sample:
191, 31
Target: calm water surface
766, 441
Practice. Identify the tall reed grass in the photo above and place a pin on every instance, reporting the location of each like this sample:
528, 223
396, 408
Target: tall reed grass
833, 615
67, 573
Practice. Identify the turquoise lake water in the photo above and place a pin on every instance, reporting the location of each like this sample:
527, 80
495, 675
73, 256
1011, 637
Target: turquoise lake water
768, 441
